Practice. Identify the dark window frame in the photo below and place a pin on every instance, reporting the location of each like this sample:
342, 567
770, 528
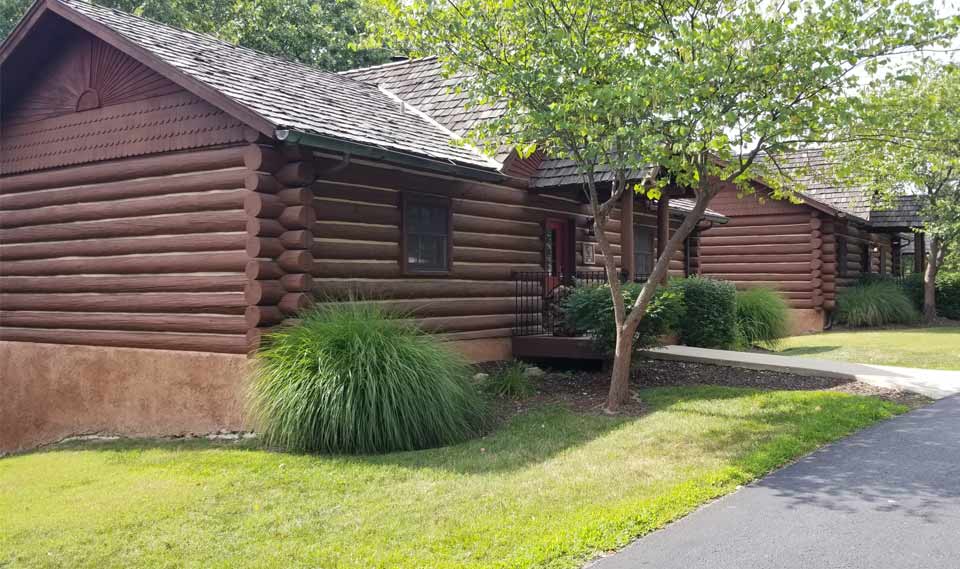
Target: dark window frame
409, 200
866, 258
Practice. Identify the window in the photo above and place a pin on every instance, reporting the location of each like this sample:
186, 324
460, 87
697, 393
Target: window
842, 256
865, 258
426, 234
642, 251
883, 261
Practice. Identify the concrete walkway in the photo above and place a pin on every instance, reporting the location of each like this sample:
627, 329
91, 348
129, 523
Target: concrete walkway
935, 384
888, 496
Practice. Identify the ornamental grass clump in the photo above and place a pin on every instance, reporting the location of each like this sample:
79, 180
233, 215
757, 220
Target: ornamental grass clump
875, 303
511, 382
352, 378
762, 317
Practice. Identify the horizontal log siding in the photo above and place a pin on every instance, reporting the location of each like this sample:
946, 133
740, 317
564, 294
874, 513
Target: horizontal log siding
497, 230
141, 252
769, 243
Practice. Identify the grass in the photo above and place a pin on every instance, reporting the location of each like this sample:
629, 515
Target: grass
511, 382
551, 489
352, 378
762, 316
931, 348
875, 303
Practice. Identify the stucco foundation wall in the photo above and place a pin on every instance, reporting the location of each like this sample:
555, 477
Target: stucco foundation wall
48, 392
806, 321
484, 350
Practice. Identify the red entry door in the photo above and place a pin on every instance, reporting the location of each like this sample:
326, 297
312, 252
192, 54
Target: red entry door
558, 252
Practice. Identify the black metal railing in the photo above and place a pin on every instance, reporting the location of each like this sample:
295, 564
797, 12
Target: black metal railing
539, 299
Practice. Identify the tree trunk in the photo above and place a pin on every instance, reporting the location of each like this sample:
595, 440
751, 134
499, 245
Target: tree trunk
930, 282
620, 378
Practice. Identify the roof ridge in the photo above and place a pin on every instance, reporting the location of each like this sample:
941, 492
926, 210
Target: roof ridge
454, 136
211, 37
387, 64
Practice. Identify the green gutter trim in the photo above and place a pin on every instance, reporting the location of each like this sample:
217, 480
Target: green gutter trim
392, 156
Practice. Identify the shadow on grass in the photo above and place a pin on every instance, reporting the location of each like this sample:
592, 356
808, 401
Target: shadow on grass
540, 434
807, 350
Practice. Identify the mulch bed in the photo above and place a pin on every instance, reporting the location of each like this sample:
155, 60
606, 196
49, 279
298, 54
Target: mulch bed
585, 391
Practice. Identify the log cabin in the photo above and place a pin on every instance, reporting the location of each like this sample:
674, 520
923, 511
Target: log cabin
166, 198
809, 248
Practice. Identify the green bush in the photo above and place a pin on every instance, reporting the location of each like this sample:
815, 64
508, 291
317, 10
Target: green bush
947, 292
511, 382
948, 295
762, 317
589, 309
876, 303
710, 318
352, 378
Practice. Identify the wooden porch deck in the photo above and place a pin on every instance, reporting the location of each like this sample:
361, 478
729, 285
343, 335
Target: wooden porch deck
544, 346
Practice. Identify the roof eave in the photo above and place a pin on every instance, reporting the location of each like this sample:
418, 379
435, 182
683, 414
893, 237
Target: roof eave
195, 86
378, 153
23, 27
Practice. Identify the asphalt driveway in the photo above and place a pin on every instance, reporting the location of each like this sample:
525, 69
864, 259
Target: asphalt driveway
886, 497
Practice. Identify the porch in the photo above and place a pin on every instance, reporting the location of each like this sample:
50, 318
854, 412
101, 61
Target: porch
540, 329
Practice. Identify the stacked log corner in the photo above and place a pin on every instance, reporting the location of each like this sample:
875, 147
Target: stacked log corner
279, 237
145, 252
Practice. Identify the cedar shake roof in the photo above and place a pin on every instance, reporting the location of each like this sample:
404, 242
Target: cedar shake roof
905, 213
291, 96
563, 172
810, 167
556, 172
421, 83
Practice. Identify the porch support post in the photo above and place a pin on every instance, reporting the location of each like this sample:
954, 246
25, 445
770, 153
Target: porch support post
663, 224
627, 258
919, 253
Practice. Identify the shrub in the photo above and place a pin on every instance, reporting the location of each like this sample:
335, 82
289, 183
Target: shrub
762, 317
511, 382
589, 309
948, 295
352, 378
947, 291
875, 303
710, 318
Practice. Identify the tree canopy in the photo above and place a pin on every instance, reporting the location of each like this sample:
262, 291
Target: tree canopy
699, 89
905, 141
330, 34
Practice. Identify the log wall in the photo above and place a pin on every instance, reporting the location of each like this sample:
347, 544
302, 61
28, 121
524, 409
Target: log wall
766, 243
497, 229
143, 252
790, 247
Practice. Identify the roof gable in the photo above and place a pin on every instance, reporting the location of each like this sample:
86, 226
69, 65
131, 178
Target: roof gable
265, 92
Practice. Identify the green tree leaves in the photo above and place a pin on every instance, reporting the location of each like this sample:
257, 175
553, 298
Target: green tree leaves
330, 34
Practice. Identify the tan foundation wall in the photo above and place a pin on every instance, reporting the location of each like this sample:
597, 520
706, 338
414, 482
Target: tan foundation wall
49, 392
806, 321
484, 350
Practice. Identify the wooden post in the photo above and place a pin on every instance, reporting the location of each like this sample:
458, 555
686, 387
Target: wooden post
895, 261
663, 227
919, 252
627, 259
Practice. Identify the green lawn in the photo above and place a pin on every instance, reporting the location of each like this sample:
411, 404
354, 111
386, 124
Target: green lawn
933, 348
551, 488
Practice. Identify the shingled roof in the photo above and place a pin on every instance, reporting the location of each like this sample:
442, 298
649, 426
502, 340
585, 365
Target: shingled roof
810, 168
905, 213
287, 95
421, 83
